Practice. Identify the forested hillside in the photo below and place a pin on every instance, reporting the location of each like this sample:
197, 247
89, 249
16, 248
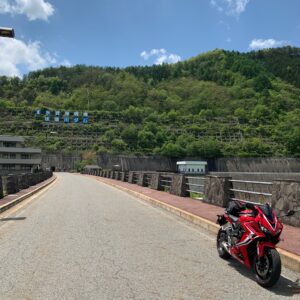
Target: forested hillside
216, 104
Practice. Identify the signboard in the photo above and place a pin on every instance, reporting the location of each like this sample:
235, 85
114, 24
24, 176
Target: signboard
48, 116
59, 116
67, 117
76, 117
85, 119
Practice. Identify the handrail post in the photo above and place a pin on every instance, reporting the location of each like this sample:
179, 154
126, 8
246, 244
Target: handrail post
178, 187
217, 190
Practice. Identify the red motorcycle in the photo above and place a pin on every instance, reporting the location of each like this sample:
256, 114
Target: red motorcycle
249, 233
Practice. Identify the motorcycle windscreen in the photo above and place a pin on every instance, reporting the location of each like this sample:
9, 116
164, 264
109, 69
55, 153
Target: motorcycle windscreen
267, 210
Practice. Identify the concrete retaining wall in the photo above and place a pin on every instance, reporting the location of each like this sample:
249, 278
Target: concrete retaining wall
272, 165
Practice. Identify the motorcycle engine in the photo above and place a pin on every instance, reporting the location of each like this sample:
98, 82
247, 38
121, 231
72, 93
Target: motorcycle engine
236, 233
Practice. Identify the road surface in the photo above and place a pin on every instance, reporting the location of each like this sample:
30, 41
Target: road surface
81, 239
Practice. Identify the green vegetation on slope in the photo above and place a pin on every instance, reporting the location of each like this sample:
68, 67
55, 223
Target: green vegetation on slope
216, 104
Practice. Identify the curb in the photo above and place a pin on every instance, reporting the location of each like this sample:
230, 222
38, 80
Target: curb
23, 197
288, 259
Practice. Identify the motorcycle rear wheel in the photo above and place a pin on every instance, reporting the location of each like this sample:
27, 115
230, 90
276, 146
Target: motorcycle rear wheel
222, 237
268, 268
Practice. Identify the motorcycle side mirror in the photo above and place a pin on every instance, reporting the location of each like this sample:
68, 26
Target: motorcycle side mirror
290, 213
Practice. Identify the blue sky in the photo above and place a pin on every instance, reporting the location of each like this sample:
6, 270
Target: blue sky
138, 32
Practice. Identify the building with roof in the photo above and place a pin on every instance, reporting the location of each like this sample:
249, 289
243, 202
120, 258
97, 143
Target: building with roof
192, 167
15, 158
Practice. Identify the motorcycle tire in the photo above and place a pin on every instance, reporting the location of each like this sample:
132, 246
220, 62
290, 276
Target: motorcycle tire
268, 271
222, 236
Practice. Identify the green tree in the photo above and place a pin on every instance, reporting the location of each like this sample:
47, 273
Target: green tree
146, 139
172, 150
206, 148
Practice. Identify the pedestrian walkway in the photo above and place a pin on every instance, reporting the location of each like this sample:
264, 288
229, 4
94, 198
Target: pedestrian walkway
290, 235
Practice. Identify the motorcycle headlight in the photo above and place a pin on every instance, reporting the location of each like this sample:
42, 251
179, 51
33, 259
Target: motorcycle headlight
263, 229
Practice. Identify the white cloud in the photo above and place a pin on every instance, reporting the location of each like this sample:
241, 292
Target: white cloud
231, 7
65, 63
265, 44
33, 9
161, 56
17, 55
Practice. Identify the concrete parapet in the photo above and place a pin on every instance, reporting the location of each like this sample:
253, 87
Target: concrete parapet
178, 186
25, 181
11, 185
155, 182
124, 176
142, 178
30, 179
34, 179
1, 188
21, 182
130, 176
217, 190
286, 196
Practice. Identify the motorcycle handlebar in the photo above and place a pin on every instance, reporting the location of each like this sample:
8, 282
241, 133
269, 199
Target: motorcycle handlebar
250, 205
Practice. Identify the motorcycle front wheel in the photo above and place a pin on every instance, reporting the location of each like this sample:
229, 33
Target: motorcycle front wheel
222, 237
267, 268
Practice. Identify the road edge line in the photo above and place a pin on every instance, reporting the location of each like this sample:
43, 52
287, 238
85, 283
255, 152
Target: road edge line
289, 260
9, 205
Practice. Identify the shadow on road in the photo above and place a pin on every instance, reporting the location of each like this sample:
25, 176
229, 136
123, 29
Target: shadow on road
284, 287
12, 219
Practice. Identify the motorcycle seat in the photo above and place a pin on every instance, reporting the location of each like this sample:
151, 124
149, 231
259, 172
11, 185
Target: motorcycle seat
233, 218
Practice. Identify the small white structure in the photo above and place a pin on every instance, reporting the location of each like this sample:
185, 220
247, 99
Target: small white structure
192, 167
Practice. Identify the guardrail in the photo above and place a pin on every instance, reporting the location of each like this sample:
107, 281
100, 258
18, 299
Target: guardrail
219, 190
135, 178
166, 181
195, 184
246, 190
148, 178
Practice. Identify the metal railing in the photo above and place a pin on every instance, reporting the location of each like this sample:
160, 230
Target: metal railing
251, 191
195, 184
126, 176
135, 177
148, 179
166, 181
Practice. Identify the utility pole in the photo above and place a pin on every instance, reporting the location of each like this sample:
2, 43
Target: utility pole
7, 32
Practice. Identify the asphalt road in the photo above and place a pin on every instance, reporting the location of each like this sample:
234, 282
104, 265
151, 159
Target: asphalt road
82, 239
